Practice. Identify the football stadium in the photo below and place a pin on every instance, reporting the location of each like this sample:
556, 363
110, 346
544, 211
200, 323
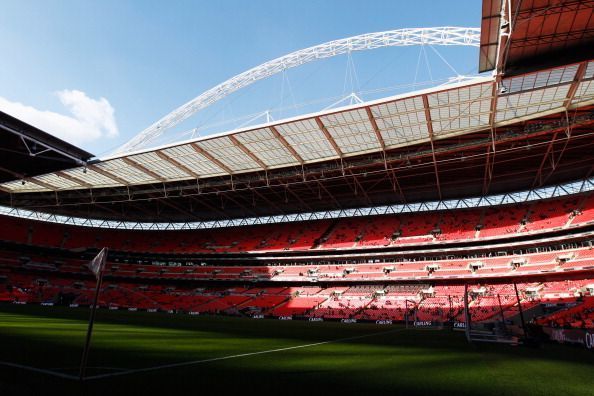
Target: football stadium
438, 241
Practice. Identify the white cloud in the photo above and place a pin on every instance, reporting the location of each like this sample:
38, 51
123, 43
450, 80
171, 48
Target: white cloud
89, 119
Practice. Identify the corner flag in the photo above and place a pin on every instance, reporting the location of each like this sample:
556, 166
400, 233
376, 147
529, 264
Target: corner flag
97, 265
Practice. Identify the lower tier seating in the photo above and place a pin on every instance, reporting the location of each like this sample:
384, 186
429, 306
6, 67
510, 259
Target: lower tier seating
421, 302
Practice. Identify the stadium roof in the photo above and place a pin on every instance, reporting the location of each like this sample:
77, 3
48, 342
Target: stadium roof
511, 131
365, 128
535, 33
28, 152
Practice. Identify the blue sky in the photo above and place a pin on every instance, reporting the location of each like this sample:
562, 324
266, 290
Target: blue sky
98, 72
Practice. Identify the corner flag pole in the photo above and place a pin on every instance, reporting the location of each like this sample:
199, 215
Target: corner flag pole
97, 265
467, 317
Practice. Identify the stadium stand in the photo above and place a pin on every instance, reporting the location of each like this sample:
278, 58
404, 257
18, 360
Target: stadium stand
361, 232
579, 316
424, 302
468, 205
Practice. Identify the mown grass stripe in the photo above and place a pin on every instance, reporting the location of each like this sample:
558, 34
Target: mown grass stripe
195, 362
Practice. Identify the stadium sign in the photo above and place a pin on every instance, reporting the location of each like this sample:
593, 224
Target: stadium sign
423, 323
572, 336
131, 309
459, 325
193, 313
589, 338
259, 316
316, 319
73, 305
348, 320
151, 310
47, 304
285, 318
558, 305
383, 322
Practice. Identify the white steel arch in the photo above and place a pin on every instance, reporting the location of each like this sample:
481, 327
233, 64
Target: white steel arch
401, 37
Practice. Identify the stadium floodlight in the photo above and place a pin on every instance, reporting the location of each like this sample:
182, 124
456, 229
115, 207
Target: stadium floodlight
447, 36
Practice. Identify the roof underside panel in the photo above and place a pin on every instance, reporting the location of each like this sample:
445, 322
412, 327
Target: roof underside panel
490, 22
132, 175
264, 145
401, 122
91, 177
166, 169
540, 79
308, 140
352, 131
466, 108
585, 90
60, 182
21, 187
552, 32
225, 151
196, 162
514, 106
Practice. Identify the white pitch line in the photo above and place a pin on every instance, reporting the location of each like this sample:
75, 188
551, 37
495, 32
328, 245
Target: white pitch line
88, 367
191, 363
38, 370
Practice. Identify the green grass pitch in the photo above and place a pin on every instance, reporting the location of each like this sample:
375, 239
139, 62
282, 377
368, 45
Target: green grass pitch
358, 359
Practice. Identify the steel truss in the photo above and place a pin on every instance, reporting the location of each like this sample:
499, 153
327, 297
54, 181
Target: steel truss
394, 38
556, 191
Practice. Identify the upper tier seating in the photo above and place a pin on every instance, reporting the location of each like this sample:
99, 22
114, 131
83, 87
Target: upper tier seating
550, 214
586, 211
347, 233
579, 316
502, 221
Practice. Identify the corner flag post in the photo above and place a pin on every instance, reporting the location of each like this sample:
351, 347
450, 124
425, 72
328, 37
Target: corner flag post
97, 265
